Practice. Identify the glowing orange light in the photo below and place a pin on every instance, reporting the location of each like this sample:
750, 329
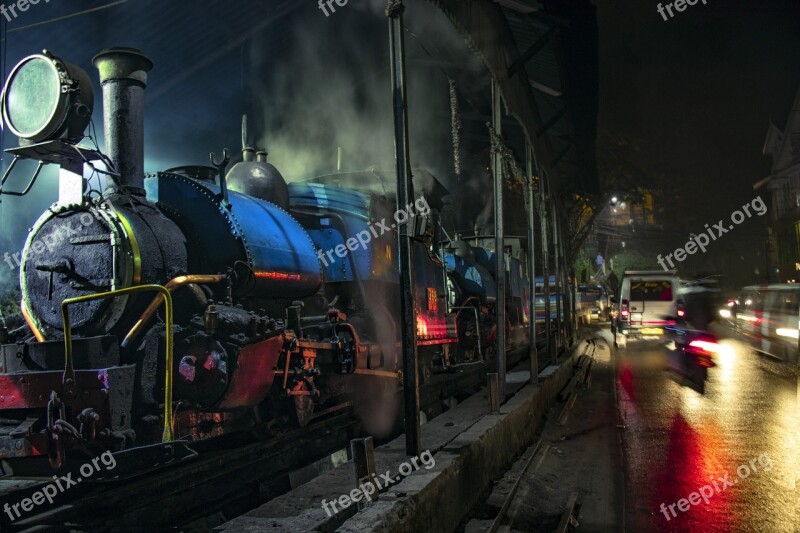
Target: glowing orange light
422, 327
433, 300
279, 276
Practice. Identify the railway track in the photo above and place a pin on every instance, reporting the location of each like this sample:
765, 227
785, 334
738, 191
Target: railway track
218, 481
174, 485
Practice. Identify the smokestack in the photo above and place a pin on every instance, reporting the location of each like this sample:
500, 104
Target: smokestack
248, 152
123, 75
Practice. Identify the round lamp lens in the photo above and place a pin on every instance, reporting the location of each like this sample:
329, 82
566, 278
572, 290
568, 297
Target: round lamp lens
32, 97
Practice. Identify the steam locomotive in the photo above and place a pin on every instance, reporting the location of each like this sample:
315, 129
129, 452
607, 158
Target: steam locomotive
198, 301
472, 294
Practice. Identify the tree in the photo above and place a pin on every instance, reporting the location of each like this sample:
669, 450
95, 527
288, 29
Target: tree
9, 306
634, 260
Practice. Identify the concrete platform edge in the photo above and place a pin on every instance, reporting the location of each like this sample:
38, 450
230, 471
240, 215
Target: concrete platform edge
439, 499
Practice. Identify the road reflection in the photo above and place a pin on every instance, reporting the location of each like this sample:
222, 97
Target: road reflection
677, 441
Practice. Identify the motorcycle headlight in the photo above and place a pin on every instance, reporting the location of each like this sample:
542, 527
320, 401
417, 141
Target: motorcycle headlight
45, 98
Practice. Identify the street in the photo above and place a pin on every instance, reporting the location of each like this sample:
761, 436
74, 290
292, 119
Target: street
736, 447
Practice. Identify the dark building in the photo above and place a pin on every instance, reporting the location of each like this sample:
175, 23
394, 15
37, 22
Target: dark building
783, 146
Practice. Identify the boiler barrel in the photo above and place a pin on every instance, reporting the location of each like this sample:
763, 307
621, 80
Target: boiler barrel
269, 250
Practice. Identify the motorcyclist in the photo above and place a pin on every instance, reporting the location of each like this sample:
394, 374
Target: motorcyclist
695, 314
699, 309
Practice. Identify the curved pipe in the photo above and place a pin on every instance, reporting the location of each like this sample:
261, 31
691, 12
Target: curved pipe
171, 287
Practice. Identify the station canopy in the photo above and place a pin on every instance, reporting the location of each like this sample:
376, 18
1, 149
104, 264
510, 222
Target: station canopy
543, 54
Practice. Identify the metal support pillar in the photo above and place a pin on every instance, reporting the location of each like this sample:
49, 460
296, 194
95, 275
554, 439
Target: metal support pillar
559, 282
573, 288
562, 267
569, 292
530, 208
499, 246
499, 242
545, 265
568, 304
405, 190
570, 282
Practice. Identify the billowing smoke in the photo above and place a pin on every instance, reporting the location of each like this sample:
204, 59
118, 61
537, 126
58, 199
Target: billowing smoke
323, 97
333, 89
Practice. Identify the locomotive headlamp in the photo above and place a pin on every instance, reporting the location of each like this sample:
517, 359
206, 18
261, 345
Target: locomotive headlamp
46, 98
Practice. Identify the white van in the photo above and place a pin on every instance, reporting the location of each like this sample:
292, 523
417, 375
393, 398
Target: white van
646, 302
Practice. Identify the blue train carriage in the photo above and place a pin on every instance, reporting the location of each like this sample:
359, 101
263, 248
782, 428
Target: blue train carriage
516, 287
540, 302
352, 220
473, 296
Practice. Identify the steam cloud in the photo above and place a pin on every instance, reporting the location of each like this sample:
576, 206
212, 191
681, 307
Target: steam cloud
333, 90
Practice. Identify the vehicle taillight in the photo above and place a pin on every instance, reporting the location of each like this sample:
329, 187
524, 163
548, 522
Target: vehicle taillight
704, 350
707, 346
623, 309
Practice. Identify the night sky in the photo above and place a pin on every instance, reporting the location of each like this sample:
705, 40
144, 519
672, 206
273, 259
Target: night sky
700, 89
697, 93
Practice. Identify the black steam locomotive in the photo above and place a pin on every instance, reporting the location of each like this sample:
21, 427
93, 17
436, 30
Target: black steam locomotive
198, 301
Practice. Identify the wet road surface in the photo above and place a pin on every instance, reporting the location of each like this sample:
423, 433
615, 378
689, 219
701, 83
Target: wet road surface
737, 447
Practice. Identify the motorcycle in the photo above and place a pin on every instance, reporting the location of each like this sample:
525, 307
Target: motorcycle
690, 354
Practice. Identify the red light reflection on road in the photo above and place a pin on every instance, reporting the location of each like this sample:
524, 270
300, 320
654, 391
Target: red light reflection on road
693, 461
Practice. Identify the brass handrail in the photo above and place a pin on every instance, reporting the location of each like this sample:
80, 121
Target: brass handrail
171, 286
69, 370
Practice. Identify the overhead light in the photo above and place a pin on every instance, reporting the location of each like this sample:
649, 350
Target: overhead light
46, 98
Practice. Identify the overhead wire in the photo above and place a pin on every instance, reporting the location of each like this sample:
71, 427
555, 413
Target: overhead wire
65, 17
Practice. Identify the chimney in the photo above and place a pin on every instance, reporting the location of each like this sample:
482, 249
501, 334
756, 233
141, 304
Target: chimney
123, 76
